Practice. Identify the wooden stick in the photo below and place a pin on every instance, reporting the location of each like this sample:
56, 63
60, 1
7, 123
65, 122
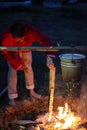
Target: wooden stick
52, 88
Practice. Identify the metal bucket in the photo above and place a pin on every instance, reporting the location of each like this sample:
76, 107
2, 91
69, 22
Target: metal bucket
72, 66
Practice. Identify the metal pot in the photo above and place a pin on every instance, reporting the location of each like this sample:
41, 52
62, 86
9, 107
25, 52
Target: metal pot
72, 66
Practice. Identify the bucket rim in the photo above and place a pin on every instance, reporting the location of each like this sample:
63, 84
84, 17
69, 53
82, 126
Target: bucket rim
70, 56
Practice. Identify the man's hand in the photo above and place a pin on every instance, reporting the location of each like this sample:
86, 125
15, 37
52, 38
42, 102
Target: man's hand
20, 67
50, 61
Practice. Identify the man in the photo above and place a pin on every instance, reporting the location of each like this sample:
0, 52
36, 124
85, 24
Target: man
17, 35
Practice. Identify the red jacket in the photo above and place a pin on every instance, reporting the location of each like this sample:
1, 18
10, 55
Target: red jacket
32, 35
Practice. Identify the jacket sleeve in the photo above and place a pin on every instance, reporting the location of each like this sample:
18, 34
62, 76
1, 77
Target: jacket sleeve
43, 40
14, 60
11, 57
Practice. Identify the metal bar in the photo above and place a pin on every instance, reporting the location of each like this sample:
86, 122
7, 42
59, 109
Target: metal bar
42, 49
3, 91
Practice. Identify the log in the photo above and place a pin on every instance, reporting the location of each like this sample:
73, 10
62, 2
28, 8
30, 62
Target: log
78, 126
25, 122
82, 125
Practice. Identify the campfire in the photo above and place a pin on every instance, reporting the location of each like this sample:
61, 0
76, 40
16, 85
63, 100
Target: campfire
58, 117
63, 119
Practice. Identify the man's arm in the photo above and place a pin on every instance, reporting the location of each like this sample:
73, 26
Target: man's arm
14, 60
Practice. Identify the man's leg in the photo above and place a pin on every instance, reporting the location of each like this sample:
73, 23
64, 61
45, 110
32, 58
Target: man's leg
29, 75
12, 85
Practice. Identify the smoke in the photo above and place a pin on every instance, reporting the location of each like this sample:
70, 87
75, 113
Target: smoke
80, 94
82, 105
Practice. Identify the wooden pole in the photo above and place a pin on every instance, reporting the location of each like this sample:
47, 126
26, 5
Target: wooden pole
42, 49
52, 88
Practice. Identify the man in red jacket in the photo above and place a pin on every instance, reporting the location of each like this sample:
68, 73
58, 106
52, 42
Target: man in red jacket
17, 35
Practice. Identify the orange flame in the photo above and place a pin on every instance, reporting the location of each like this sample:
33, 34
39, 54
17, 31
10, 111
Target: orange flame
66, 118
63, 119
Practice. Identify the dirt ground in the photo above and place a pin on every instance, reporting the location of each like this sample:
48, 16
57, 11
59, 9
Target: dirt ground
64, 26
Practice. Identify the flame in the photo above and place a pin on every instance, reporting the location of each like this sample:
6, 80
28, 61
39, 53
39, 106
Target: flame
66, 118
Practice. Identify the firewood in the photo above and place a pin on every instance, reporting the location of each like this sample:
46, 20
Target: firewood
24, 122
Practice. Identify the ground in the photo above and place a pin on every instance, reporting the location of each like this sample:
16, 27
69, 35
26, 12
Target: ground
65, 26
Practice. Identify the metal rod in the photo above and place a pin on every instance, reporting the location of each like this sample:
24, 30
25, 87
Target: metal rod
3, 91
42, 49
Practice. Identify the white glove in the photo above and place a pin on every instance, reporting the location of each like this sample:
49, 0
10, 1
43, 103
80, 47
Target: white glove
50, 60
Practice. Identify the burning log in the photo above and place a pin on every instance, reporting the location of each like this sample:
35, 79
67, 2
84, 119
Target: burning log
82, 125
77, 127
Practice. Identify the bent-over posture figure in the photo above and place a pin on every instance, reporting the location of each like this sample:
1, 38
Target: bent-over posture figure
17, 35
